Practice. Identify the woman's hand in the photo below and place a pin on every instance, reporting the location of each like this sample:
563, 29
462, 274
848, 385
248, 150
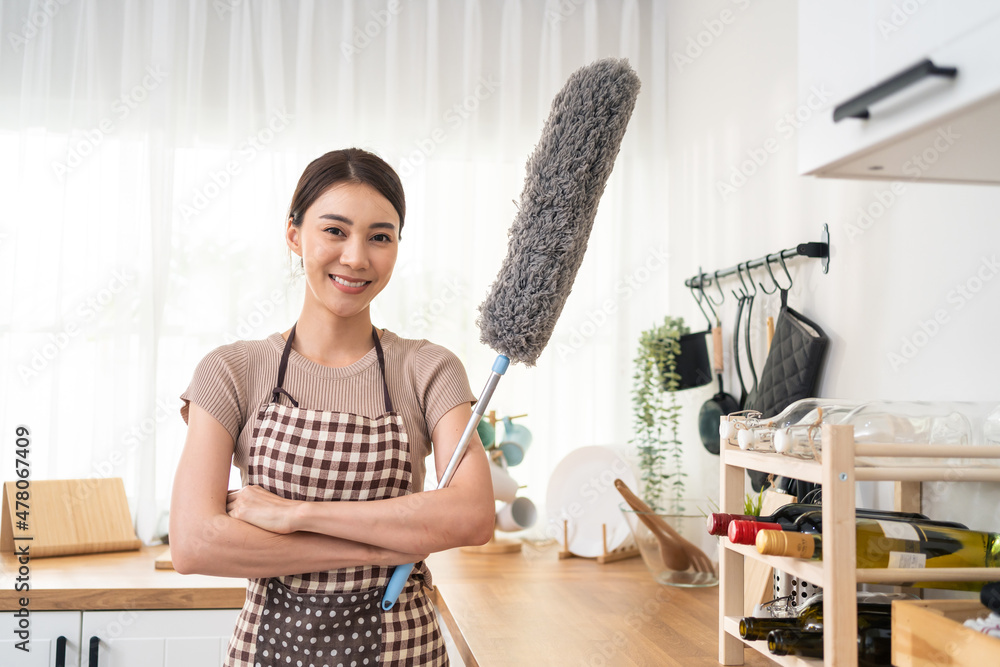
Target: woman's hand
263, 509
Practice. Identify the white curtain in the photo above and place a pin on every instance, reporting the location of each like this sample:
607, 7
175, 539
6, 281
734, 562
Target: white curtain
149, 151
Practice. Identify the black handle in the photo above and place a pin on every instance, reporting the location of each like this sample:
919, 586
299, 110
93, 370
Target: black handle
857, 106
60, 651
95, 645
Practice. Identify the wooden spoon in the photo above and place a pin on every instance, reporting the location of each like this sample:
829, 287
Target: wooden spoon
671, 552
668, 538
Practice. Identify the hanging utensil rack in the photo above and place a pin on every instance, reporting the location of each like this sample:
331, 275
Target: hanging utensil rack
817, 249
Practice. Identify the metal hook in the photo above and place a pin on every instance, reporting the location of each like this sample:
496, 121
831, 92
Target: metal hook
743, 290
698, 300
784, 268
739, 272
722, 296
750, 278
711, 306
767, 265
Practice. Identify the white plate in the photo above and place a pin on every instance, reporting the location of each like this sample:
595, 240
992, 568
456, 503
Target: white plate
582, 491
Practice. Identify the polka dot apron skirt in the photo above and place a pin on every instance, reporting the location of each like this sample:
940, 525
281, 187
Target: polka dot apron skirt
333, 618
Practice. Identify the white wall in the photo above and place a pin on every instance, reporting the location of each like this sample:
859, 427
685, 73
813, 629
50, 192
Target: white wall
884, 282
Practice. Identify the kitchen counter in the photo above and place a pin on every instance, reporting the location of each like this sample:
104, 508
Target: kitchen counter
533, 609
513, 609
120, 580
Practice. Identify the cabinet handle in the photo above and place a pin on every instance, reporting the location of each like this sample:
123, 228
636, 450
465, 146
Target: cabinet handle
60, 651
857, 106
95, 645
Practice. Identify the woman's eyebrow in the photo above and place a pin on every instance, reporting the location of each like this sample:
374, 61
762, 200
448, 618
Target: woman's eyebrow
335, 216
348, 221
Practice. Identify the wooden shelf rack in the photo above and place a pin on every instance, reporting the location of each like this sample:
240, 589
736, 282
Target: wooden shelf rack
837, 573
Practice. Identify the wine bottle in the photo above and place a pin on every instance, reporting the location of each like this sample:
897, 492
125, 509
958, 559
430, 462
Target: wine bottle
809, 616
745, 532
718, 522
898, 544
990, 596
874, 643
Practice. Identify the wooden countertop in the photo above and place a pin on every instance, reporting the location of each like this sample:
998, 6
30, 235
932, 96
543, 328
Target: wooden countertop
120, 580
533, 609
512, 609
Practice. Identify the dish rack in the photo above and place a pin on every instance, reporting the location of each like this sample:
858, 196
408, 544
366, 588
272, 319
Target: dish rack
837, 573
626, 550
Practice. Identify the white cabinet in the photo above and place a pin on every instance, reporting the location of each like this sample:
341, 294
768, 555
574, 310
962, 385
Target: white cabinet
934, 128
46, 627
175, 638
126, 638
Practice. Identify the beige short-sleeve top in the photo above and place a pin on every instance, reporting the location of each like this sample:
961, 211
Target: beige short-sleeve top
425, 381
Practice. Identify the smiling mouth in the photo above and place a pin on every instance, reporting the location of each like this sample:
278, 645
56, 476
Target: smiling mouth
347, 283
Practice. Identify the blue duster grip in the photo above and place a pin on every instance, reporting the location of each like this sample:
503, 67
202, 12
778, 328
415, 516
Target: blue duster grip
402, 572
396, 583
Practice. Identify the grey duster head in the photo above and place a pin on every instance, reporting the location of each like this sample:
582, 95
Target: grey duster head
565, 178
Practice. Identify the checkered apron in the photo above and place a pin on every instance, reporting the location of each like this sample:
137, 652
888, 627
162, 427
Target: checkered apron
334, 617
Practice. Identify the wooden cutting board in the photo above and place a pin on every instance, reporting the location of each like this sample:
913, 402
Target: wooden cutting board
163, 561
59, 517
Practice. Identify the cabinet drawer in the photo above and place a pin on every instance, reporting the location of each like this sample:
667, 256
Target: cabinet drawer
850, 45
173, 638
903, 32
939, 129
45, 629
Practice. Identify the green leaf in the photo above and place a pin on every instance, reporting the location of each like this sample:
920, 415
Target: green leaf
655, 380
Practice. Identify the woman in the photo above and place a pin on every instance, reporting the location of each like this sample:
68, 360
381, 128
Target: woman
329, 424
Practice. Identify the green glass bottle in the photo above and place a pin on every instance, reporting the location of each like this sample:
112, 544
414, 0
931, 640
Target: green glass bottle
874, 644
897, 544
809, 616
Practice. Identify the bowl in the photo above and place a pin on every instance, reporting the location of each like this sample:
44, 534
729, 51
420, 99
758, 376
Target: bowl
692, 528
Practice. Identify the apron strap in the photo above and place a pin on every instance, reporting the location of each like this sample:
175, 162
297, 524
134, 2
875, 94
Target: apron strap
381, 367
281, 370
283, 366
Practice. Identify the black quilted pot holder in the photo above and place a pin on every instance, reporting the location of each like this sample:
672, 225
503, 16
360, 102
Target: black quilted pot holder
791, 370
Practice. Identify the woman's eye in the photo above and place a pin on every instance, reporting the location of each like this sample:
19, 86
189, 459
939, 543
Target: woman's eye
382, 238
336, 231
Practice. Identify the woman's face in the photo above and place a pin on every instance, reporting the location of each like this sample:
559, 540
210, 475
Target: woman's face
348, 242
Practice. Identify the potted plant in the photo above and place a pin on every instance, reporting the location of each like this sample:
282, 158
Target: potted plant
656, 414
